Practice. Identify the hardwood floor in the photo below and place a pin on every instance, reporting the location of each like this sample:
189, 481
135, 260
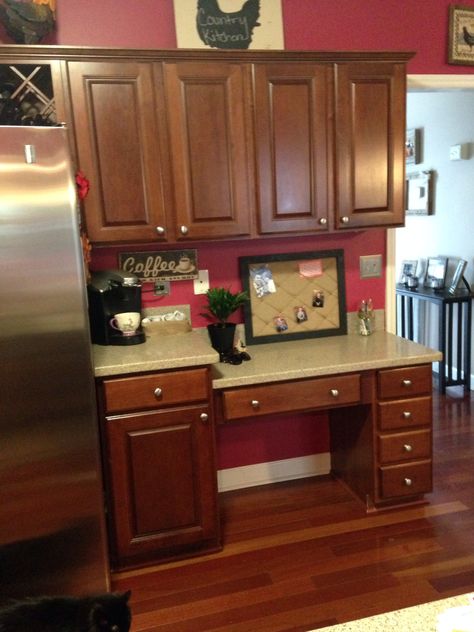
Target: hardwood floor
303, 554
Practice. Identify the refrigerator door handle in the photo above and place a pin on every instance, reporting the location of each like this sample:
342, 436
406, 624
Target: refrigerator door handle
30, 154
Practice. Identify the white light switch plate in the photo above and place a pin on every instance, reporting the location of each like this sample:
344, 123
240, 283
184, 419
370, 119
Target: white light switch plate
201, 284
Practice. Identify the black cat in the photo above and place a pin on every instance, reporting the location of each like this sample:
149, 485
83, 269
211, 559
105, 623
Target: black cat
95, 613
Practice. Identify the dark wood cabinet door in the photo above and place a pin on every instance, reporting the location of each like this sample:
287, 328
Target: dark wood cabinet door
293, 161
212, 168
370, 144
162, 479
118, 149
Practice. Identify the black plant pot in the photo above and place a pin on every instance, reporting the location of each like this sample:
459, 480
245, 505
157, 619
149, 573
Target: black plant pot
222, 338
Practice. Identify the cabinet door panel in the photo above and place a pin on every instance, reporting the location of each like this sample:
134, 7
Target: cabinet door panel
370, 144
207, 119
162, 478
291, 105
118, 149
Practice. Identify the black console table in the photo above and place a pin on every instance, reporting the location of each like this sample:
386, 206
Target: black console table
449, 325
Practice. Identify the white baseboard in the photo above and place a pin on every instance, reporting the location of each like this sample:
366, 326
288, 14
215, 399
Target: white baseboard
273, 472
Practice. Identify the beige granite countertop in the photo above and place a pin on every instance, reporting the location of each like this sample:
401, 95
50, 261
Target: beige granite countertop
269, 362
156, 354
322, 356
422, 618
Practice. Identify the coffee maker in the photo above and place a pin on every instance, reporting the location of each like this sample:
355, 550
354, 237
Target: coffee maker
113, 292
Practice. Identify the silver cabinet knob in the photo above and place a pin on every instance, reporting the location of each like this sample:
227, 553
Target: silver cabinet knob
334, 392
204, 417
406, 383
323, 221
407, 447
183, 230
345, 219
255, 403
408, 482
407, 414
158, 392
160, 230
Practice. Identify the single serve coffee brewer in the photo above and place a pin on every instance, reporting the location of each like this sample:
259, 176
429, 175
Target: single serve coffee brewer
115, 303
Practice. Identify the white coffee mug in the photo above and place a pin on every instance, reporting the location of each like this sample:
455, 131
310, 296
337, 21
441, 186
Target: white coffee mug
126, 322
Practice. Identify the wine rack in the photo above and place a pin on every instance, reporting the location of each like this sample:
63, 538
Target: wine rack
26, 95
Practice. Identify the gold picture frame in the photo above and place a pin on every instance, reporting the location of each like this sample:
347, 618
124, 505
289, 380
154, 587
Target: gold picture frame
461, 35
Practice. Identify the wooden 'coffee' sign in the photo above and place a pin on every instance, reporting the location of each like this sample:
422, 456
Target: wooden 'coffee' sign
168, 265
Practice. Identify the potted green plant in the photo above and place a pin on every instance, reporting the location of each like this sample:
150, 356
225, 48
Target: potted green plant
221, 304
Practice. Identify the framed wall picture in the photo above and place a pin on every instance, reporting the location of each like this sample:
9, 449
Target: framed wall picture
461, 35
419, 193
295, 295
229, 24
413, 146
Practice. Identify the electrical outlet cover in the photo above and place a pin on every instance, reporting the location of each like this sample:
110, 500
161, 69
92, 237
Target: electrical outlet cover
370, 266
201, 284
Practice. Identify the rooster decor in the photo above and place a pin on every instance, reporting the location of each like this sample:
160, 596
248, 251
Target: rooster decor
220, 29
468, 37
28, 21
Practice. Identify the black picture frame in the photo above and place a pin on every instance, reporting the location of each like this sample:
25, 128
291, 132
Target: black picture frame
322, 318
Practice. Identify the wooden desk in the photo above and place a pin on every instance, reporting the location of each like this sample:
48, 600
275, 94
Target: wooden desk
451, 325
157, 416
380, 426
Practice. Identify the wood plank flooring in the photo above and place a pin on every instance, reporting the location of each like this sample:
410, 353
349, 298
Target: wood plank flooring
302, 555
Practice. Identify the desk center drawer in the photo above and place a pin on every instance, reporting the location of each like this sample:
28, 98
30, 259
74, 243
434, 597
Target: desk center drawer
296, 395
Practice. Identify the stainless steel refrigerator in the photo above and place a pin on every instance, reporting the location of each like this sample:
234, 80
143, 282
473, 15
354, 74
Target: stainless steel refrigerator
52, 536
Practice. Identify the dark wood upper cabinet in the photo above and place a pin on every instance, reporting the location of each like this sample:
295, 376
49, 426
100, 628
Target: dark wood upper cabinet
292, 129
119, 148
196, 144
370, 144
208, 116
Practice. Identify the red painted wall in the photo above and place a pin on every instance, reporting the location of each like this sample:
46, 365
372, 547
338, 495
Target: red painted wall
308, 24
221, 259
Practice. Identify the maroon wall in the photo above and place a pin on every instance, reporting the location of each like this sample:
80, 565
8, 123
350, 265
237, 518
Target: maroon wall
308, 24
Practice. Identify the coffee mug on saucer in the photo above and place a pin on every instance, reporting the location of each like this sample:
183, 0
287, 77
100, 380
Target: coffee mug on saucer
126, 322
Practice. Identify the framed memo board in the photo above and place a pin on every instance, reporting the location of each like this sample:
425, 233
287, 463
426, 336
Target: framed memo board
294, 295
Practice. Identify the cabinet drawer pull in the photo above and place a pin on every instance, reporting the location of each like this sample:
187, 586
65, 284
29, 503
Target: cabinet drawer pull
160, 230
407, 414
407, 447
183, 230
406, 383
345, 219
323, 221
408, 481
334, 392
158, 392
255, 403
204, 417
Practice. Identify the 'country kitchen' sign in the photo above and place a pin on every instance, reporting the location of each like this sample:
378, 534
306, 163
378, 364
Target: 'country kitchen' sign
168, 265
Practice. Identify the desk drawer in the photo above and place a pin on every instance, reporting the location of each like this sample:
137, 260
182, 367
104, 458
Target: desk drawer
405, 413
404, 446
408, 479
293, 396
156, 390
405, 382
